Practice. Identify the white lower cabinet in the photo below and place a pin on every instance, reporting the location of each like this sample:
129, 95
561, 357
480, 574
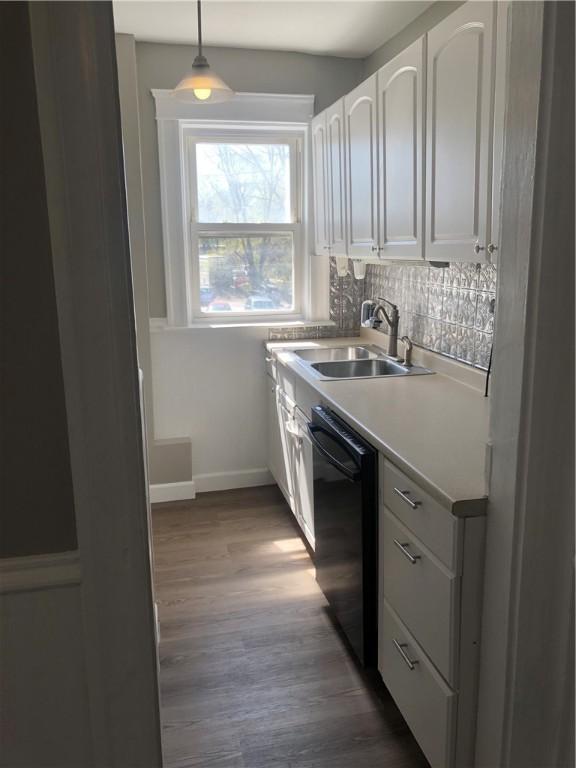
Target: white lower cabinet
419, 586
290, 458
427, 703
429, 621
304, 479
278, 458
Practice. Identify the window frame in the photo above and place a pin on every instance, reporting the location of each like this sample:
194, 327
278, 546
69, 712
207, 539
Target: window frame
256, 133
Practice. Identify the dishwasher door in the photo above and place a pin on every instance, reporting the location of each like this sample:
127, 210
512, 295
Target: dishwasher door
345, 527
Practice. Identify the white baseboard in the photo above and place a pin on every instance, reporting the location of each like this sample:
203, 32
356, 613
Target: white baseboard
224, 481
172, 492
34, 572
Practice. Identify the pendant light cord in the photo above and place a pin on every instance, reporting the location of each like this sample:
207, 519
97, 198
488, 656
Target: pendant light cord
199, 28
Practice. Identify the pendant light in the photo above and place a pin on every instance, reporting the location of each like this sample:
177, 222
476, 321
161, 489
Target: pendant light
202, 85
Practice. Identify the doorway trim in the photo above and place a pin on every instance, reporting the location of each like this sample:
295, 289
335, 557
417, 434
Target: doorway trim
78, 106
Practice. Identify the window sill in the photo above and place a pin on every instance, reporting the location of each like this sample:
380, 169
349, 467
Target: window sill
160, 325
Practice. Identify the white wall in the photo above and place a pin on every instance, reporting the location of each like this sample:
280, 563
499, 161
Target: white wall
210, 384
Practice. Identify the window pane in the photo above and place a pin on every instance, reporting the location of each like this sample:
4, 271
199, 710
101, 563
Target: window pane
253, 273
243, 183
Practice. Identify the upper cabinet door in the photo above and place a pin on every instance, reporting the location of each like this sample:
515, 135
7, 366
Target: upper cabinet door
361, 170
336, 183
401, 93
459, 134
319, 175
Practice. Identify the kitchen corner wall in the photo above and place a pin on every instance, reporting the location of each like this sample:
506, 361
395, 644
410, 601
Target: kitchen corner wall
445, 310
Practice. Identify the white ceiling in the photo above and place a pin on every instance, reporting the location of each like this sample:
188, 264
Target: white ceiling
331, 27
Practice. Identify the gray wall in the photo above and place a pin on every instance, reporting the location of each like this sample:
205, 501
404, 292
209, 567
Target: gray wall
162, 66
409, 34
35, 482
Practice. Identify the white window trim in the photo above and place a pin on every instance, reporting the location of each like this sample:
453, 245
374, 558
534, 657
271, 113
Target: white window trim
277, 114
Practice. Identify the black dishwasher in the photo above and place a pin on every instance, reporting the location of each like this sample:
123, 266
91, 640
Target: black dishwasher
346, 529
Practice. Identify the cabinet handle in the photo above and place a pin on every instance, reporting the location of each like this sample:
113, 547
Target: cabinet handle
374, 248
492, 248
478, 248
404, 549
404, 496
410, 663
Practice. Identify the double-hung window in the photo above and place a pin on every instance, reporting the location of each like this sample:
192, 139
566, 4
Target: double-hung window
245, 236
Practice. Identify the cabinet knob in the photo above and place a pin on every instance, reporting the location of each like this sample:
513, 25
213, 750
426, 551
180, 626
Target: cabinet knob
374, 248
478, 248
492, 248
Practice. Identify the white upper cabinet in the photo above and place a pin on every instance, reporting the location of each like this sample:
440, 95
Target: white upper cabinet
319, 174
460, 108
408, 165
361, 170
335, 179
401, 92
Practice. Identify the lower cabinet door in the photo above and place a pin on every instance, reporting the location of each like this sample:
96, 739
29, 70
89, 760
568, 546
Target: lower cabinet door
304, 483
276, 460
427, 703
287, 428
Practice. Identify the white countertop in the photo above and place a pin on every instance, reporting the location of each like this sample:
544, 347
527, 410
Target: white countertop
434, 428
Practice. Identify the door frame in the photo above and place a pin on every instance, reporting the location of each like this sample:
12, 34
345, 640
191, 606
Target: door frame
526, 700
78, 106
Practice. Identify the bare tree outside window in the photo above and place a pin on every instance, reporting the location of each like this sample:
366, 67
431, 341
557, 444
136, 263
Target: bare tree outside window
245, 184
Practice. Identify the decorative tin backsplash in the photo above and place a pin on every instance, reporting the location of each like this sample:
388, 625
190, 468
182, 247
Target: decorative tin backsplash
445, 310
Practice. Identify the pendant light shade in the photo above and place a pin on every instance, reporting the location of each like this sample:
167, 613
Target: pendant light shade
202, 85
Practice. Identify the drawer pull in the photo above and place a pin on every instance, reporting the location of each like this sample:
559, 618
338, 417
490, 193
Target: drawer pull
404, 549
404, 496
410, 663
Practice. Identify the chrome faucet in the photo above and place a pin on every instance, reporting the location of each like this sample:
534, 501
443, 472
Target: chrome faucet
370, 319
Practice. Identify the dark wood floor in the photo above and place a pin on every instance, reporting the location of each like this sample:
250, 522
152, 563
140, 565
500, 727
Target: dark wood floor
253, 673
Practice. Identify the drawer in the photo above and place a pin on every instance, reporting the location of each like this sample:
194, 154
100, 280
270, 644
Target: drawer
426, 702
286, 380
270, 361
306, 397
421, 590
434, 525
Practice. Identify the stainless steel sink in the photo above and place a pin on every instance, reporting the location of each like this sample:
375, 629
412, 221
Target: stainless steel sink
332, 354
365, 369
358, 361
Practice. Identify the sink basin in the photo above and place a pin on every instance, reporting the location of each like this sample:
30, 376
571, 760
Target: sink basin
353, 369
365, 369
332, 354
361, 361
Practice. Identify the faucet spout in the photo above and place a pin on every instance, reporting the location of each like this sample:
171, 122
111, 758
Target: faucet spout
393, 320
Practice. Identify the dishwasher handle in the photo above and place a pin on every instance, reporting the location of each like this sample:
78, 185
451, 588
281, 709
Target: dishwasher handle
352, 475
